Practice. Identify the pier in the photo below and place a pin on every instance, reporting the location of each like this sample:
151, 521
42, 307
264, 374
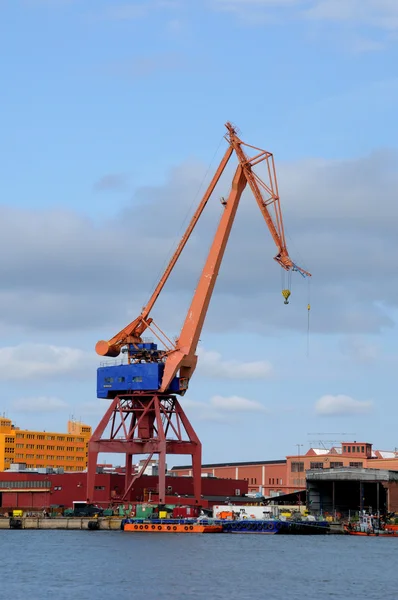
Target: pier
72, 523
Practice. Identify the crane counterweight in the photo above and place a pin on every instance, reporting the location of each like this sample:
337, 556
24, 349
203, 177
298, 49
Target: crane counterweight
144, 416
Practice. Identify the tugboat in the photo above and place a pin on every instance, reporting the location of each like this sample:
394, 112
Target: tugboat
369, 525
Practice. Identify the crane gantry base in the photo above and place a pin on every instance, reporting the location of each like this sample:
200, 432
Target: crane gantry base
145, 423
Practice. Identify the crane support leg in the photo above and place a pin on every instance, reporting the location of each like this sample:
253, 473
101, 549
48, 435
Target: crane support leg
145, 423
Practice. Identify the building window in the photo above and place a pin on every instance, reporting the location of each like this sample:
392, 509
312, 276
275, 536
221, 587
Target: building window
349, 448
297, 467
362, 449
99, 487
357, 465
30, 436
316, 465
336, 465
40, 437
344, 448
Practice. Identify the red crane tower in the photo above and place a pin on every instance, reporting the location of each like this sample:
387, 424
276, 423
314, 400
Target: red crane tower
144, 415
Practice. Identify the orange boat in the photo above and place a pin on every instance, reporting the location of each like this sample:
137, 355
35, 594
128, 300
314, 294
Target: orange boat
369, 525
192, 528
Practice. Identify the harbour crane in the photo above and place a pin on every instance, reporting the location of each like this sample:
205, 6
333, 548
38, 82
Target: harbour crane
144, 416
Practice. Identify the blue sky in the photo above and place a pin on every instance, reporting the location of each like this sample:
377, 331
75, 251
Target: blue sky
112, 115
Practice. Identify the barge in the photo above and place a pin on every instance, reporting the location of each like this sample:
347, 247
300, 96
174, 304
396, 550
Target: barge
172, 528
264, 527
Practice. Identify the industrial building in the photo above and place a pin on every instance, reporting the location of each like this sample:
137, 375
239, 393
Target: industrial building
33, 491
273, 478
267, 477
350, 489
42, 449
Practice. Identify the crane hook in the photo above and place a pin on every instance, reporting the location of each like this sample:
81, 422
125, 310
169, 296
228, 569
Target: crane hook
286, 294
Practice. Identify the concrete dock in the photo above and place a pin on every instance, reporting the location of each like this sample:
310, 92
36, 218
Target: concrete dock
110, 523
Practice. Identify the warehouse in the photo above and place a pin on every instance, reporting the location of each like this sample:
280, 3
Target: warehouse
33, 490
348, 490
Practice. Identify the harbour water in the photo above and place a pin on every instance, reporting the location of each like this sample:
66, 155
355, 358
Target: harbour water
100, 565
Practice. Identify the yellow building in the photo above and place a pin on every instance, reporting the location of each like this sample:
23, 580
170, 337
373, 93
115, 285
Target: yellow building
40, 449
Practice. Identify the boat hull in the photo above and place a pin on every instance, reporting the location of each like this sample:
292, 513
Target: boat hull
276, 527
384, 534
148, 528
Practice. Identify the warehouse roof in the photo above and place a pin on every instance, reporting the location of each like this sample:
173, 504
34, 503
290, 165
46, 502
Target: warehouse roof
232, 464
351, 474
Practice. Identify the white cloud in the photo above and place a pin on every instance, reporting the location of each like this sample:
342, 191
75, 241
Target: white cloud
94, 408
341, 405
360, 349
61, 260
131, 11
33, 361
236, 404
380, 14
40, 404
223, 408
211, 364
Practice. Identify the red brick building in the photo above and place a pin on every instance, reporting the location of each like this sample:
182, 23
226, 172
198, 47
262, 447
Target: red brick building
284, 476
35, 491
266, 477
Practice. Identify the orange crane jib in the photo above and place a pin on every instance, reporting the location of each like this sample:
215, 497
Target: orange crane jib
168, 370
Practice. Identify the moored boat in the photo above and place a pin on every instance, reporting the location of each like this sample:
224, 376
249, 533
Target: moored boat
277, 527
369, 525
170, 527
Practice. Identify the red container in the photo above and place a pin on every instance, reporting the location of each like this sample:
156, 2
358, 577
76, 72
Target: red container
185, 512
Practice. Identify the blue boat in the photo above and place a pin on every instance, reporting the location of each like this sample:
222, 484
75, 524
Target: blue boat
274, 526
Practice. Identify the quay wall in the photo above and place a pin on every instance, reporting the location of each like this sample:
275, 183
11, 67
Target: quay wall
62, 523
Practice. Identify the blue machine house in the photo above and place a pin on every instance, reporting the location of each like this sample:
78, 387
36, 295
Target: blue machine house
114, 380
